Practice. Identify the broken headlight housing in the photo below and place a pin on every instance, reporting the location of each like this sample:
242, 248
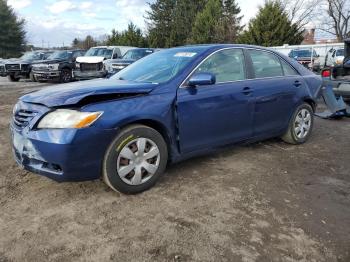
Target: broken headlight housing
68, 118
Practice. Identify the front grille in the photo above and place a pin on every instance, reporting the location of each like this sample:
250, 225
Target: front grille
22, 117
13, 67
24, 67
91, 67
40, 68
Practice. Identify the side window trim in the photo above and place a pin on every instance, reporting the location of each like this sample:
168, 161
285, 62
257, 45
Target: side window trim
184, 83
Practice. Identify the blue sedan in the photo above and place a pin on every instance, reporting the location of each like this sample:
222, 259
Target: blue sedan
166, 107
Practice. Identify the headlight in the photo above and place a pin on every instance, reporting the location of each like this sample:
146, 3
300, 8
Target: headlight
107, 67
37, 66
77, 65
119, 67
53, 66
339, 61
67, 118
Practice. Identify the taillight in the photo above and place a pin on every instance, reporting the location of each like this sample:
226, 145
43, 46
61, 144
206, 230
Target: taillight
326, 73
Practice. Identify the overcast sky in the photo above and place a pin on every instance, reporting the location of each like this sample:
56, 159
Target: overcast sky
55, 22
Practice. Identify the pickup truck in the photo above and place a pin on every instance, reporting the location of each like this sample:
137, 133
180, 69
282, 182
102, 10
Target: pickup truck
58, 66
307, 57
91, 65
22, 67
334, 57
338, 76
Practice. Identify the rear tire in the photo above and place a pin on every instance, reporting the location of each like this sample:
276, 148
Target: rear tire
135, 160
300, 126
13, 78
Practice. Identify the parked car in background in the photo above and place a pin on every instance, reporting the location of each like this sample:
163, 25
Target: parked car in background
22, 67
307, 57
58, 66
91, 65
335, 57
115, 65
338, 76
166, 107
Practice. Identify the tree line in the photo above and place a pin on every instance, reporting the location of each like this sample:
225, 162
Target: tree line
180, 22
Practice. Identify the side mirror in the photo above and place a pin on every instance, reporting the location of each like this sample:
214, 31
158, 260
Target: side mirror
202, 79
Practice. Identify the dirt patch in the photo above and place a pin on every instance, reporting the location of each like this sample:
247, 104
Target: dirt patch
267, 201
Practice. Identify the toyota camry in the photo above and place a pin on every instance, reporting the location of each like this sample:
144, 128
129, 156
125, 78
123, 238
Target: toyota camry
169, 106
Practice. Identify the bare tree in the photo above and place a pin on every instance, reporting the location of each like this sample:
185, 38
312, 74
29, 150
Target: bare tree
301, 12
338, 21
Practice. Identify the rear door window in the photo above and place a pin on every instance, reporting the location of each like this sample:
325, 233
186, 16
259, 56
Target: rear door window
288, 69
227, 65
265, 64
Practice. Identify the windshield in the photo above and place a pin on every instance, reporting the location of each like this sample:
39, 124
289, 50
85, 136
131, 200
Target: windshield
137, 54
60, 55
340, 52
159, 67
106, 53
31, 56
302, 53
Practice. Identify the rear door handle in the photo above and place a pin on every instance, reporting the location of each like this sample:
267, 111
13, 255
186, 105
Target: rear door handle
247, 91
297, 83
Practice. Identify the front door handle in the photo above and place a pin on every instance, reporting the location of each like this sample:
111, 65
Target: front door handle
297, 83
247, 91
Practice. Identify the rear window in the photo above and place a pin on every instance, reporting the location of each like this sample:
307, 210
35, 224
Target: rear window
265, 64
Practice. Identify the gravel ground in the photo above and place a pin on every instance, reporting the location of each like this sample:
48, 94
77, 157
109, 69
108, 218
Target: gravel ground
266, 201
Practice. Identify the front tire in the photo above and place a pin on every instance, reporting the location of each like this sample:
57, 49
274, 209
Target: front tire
135, 160
66, 75
300, 126
13, 78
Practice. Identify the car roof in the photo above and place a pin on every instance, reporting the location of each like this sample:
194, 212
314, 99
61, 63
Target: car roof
112, 46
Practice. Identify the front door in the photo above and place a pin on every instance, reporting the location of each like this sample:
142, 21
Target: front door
217, 114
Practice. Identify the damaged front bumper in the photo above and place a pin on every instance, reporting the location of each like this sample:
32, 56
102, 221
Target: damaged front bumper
85, 75
47, 75
61, 154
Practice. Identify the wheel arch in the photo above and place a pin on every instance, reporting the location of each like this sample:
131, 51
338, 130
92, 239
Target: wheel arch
156, 125
311, 102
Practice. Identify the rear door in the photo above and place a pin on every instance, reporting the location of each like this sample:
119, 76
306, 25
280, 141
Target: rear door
216, 114
276, 85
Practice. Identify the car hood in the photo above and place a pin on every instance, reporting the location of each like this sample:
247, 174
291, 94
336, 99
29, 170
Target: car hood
51, 61
18, 61
73, 93
121, 61
90, 59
